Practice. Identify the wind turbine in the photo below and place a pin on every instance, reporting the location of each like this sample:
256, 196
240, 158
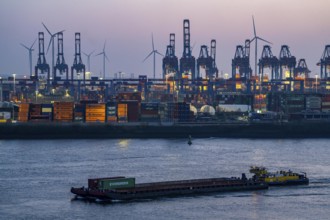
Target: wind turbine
88, 60
104, 57
30, 49
154, 52
51, 41
256, 38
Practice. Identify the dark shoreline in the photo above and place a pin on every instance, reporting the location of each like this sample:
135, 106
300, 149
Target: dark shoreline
135, 130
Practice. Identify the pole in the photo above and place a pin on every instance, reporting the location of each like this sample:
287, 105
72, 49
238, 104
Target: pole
30, 55
52, 58
14, 84
256, 55
103, 65
1, 89
154, 65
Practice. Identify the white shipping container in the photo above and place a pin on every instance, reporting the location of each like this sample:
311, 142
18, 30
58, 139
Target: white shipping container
325, 103
233, 108
5, 115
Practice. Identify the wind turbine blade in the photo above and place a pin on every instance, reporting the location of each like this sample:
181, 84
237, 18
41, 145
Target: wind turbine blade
47, 29
264, 40
107, 57
191, 49
25, 46
253, 39
91, 53
50, 41
104, 45
254, 27
85, 54
59, 32
148, 56
33, 43
158, 53
99, 54
152, 39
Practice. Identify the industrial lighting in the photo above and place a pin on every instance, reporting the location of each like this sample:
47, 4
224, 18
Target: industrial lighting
87, 75
316, 82
67, 93
1, 89
14, 75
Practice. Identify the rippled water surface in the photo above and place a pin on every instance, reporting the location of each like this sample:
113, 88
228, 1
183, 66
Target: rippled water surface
36, 177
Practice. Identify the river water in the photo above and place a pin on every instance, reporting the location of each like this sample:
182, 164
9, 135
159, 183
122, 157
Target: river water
36, 177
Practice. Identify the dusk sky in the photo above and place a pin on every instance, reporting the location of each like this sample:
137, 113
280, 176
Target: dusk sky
127, 25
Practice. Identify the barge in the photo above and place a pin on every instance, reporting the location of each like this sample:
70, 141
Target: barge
279, 178
121, 188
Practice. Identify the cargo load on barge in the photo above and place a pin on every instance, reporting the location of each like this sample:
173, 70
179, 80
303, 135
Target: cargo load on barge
121, 188
279, 178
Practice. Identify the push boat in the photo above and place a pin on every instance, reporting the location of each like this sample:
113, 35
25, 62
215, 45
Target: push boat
122, 188
279, 178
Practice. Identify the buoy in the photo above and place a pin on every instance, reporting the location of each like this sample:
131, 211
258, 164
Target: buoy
189, 140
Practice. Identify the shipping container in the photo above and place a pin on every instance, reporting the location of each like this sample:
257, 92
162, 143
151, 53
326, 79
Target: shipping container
79, 112
63, 111
35, 114
122, 110
129, 96
166, 112
94, 183
120, 183
112, 119
111, 109
149, 108
95, 112
5, 115
313, 103
233, 108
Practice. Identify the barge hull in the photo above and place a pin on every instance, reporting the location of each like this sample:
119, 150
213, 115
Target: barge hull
182, 192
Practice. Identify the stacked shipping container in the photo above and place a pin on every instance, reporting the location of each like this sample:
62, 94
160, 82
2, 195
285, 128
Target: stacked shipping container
23, 112
313, 103
122, 112
325, 103
132, 108
293, 103
111, 111
47, 111
79, 112
63, 111
149, 112
166, 112
182, 112
36, 114
95, 113
259, 102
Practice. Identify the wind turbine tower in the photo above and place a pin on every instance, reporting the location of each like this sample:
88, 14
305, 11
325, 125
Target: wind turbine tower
30, 49
154, 52
89, 60
104, 57
256, 38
